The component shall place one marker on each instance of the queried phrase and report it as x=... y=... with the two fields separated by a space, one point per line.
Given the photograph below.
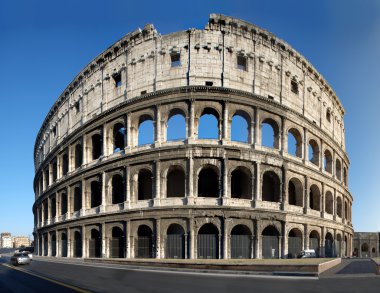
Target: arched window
x=96 y=194
x=146 y=130
x=241 y=183
x=241 y=242
x=315 y=198
x=208 y=242
x=339 y=207
x=145 y=183
x=117 y=243
x=144 y=245
x=208 y=127
x=175 y=242
x=77 y=198
x=97 y=146
x=175 y=182
x=345 y=176
x=313 y=152
x=327 y=162
x=338 y=169
x=95 y=244
x=294 y=243
x=269 y=133
x=271 y=187
x=65 y=164
x=329 y=203
x=78 y=155
x=176 y=129
x=117 y=189
x=239 y=128
x=295 y=192
x=118 y=137
x=270 y=242
x=208 y=182
x=294 y=143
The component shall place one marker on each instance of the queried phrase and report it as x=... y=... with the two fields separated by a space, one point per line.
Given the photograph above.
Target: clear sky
x=44 y=45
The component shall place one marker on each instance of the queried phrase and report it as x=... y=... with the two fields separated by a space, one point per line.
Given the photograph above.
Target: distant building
x=6 y=240
x=366 y=244
x=19 y=241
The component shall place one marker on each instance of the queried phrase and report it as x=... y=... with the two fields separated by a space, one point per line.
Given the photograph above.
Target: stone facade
x=100 y=193
x=366 y=244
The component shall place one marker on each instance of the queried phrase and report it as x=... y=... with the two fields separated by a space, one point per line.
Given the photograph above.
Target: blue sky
x=44 y=45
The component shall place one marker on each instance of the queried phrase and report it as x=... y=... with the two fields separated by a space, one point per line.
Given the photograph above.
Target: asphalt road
x=114 y=278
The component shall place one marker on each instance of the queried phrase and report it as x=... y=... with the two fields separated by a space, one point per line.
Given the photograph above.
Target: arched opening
x=241 y=242
x=97 y=146
x=271 y=187
x=175 y=183
x=295 y=192
x=77 y=249
x=208 y=182
x=338 y=245
x=241 y=183
x=345 y=176
x=176 y=129
x=329 y=203
x=327 y=161
x=294 y=143
x=144 y=242
x=65 y=164
x=338 y=169
x=329 y=245
x=96 y=194
x=53 y=204
x=315 y=198
x=95 y=244
x=146 y=130
x=339 y=207
x=294 y=243
x=117 y=189
x=239 y=128
x=314 y=242
x=175 y=242
x=269 y=134
x=46 y=245
x=53 y=245
x=118 y=137
x=270 y=242
x=208 y=127
x=117 y=243
x=345 y=247
x=145 y=183
x=208 y=242
x=55 y=170
x=313 y=152
x=77 y=198
x=63 y=203
x=78 y=155
x=345 y=211
x=63 y=245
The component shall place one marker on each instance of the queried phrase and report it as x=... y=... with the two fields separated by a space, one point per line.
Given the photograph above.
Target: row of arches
x=209 y=243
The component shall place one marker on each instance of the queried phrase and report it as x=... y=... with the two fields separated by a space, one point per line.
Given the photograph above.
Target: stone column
x=158 y=252
x=305 y=146
x=68 y=235
x=127 y=187
x=321 y=157
x=104 y=240
x=258 y=182
x=190 y=178
x=186 y=245
x=322 y=242
x=251 y=140
x=323 y=201
x=306 y=244
x=128 y=239
x=225 y=179
x=225 y=132
x=157 y=125
x=306 y=196
x=191 y=134
x=192 y=239
x=105 y=141
x=84 y=151
x=57 y=244
x=128 y=132
x=84 y=242
x=226 y=240
x=68 y=196
x=84 y=203
x=157 y=178
x=104 y=203
x=49 y=244
x=258 y=240
x=283 y=145
x=334 y=205
x=257 y=133
x=284 y=187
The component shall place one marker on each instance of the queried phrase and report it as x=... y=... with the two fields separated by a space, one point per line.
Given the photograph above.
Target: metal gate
x=144 y=247
x=117 y=247
x=270 y=247
x=338 y=248
x=175 y=246
x=314 y=244
x=294 y=246
x=53 y=248
x=241 y=246
x=78 y=247
x=329 y=251
x=94 y=247
x=208 y=246
x=64 y=248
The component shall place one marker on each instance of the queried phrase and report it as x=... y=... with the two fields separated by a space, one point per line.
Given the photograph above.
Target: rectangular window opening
x=175 y=59
x=294 y=86
x=209 y=83
x=242 y=63
x=77 y=107
x=270 y=97
x=117 y=79
x=143 y=92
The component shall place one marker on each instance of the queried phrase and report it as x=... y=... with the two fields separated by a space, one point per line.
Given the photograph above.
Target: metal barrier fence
x=294 y=246
x=270 y=246
x=117 y=247
x=208 y=245
x=175 y=246
x=144 y=247
x=241 y=246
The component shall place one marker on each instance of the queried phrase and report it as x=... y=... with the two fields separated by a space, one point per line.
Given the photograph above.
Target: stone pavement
x=358 y=267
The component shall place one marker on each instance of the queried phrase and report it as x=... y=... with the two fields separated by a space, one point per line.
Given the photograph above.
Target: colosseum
x=217 y=143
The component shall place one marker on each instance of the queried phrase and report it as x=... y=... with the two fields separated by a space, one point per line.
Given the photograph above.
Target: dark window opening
x=175 y=59
x=175 y=183
x=65 y=164
x=271 y=187
x=208 y=183
x=144 y=245
x=55 y=171
x=314 y=152
x=63 y=203
x=328 y=115
x=78 y=155
x=118 y=137
x=77 y=199
x=208 y=242
x=47 y=177
x=95 y=244
x=96 y=146
x=327 y=162
x=46 y=210
x=329 y=203
x=55 y=130
x=242 y=63
x=294 y=86
x=145 y=183
x=117 y=189
x=96 y=194
x=339 y=207
x=77 y=244
x=117 y=79
x=315 y=198
x=209 y=83
x=143 y=92
x=53 y=207
x=241 y=186
x=270 y=97
x=117 y=243
x=77 y=107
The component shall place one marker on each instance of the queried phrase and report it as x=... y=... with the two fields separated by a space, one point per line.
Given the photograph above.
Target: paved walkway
x=358 y=267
